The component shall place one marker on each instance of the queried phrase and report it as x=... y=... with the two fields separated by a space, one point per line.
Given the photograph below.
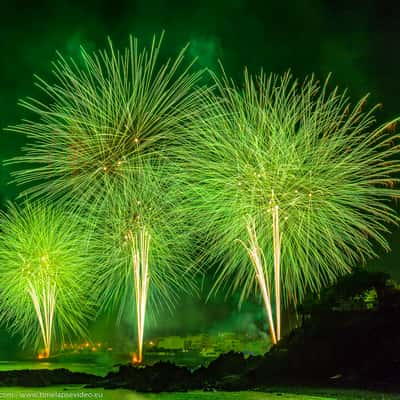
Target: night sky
x=358 y=41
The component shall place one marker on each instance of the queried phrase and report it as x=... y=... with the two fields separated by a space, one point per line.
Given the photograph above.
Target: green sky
x=355 y=40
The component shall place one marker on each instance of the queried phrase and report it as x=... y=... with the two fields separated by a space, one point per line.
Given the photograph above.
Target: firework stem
x=44 y=307
x=255 y=255
x=140 y=261
x=277 y=271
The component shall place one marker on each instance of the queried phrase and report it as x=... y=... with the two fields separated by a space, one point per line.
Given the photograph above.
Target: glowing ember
x=43 y=355
x=135 y=359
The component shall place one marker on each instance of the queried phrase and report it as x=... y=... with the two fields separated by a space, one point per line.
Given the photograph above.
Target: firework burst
x=107 y=112
x=290 y=184
x=103 y=110
x=141 y=243
x=44 y=275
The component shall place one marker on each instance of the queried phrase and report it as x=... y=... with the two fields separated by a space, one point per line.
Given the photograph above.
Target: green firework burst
x=141 y=244
x=291 y=184
x=103 y=110
x=45 y=275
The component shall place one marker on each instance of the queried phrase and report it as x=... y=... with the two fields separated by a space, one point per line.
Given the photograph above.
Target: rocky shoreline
x=229 y=372
x=354 y=347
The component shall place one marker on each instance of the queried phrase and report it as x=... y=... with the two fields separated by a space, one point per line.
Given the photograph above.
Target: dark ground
x=349 y=339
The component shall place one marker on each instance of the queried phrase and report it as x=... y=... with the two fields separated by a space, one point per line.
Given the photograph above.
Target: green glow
x=298 y=176
x=206 y=49
x=45 y=275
